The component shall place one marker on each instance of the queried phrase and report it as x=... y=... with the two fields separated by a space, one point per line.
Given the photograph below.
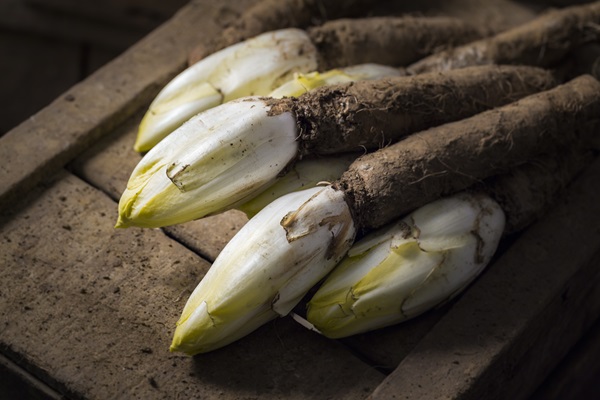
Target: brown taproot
x=541 y=42
x=270 y=15
x=373 y=114
x=383 y=185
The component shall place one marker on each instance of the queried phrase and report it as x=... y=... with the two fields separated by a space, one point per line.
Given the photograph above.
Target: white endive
x=261 y=275
x=253 y=67
x=302 y=83
x=303 y=174
x=407 y=268
x=220 y=157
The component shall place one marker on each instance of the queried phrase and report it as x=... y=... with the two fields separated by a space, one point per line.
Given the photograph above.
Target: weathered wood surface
x=90 y=310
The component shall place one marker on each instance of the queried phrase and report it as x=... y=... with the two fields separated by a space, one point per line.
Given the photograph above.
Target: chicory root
x=381 y=186
x=396 y=41
x=542 y=42
x=270 y=15
x=372 y=114
x=526 y=192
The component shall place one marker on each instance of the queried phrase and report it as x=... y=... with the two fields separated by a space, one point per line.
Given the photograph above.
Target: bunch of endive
x=258 y=65
x=231 y=152
x=228 y=154
x=391 y=275
x=271 y=64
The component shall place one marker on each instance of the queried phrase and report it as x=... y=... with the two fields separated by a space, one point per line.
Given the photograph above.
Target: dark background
x=46 y=46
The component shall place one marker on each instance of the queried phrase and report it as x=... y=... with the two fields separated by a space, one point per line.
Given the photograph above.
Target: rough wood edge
x=23 y=382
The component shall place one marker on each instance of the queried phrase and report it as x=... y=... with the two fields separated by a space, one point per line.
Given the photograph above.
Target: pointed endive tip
x=124 y=209
x=218 y=158
x=146 y=139
x=121 y=223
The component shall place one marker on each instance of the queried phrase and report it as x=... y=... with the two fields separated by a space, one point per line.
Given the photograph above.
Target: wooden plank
x=90 y=311
x=44 y=143
x=509 y=330
x=576 y=377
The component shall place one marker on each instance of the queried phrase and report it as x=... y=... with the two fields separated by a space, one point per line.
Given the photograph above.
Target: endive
x=177 y=103
x=407 y=268
x=253 y=67
x=225 y=156
x=216 y=159
x=302 y=83
x=230 y=153
x=304 y=174
x=261 y=275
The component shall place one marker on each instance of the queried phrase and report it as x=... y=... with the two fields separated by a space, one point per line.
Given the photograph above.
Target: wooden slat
x=90 y=311
x=509 y=330
x=42 y=144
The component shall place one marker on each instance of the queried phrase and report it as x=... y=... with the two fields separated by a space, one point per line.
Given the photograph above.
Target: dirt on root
x=345 y=42
x=373 y=114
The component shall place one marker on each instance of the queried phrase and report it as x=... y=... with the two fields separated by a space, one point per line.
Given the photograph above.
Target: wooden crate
x=87 y=311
